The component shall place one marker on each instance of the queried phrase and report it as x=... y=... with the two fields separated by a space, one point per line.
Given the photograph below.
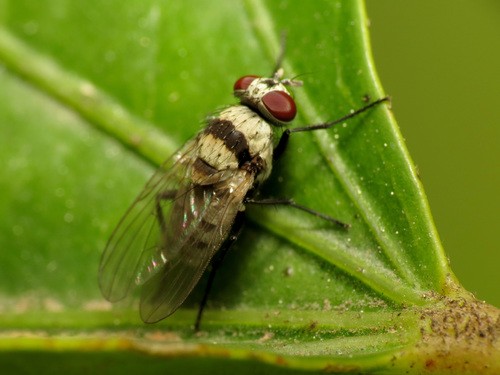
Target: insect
x=193 y=205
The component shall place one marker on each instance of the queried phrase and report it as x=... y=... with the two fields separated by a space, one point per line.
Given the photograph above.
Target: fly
x=193 y=205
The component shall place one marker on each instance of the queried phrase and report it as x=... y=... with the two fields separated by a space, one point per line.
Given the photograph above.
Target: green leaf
x=95 y=95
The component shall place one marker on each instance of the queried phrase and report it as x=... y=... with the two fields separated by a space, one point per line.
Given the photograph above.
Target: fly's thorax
x=258 y=134
x=233 y=138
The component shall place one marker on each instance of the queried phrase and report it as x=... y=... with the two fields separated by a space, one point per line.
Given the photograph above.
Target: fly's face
x=268 y=96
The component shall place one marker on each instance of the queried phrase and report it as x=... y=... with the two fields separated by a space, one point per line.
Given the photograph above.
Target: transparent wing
x=166 y=239
x=132 y=251
x=211 y=210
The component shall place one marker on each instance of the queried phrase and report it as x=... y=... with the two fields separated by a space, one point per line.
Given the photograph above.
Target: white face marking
x=261 y=86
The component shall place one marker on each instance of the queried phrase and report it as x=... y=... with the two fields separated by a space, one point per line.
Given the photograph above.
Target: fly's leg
x=282 y=145
x=217 y=261
x=163 y=196
x=283 y=142
x=291 y=203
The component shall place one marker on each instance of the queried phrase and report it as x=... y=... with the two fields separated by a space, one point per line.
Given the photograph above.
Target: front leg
x=283 y=142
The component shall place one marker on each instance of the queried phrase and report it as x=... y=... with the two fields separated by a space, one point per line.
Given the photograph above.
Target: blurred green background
x=440 y=62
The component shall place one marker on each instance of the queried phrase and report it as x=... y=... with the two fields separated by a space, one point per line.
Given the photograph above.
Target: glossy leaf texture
x=94 y=96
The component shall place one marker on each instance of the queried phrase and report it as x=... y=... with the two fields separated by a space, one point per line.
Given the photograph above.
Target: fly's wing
x=208 y=212
x=132 y=252
x=169 y=234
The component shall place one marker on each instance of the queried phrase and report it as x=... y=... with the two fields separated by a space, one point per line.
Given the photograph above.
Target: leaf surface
x=95 y=95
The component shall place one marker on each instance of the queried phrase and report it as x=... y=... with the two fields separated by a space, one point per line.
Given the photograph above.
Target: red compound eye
x=244 y=82
x=280 y=105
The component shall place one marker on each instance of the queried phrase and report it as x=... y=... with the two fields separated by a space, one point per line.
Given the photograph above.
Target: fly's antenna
x=278 y=69
x=281 y=56
x=292 y=81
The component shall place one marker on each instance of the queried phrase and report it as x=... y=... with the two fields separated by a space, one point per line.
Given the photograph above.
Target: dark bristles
x=281 y=55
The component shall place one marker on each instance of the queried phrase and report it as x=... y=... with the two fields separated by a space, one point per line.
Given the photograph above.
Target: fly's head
x=268 y=96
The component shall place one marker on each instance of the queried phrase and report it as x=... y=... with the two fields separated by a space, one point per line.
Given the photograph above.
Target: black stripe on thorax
x=234 y=140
